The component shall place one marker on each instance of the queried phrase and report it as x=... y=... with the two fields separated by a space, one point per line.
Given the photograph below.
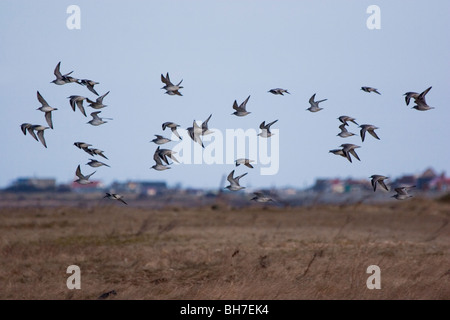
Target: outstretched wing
x=57 y=72
x=78 y=173
x=230 y=177
x=41 y=99
x=41 y=137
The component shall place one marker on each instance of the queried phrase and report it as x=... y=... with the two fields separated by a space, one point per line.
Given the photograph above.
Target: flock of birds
x=75 y=101
x=162 y=156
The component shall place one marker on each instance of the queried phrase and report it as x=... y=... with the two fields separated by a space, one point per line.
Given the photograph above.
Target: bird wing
x=205 y=123
x=422 y=95
x=311 y=100
x=57 y=72
x=78 y=173
x=41 y=137
x=347 y=155
x=80 y=106
x=91 y=88
x=174 y=130
x=100 y=99
x=157 y=157
x=374 y=184
x=244 y=104
x=381 y=182
x=168 y=82
x=24 y=127
x=401 y=190
x=173 y=157
x=353 y=152
x=342 y=127
x=48 y=117
x=41 y=99
x=163 y=80
x=236 y=107
x=230 y=177
x=95 y=115
x=89 y=175
x=271 y=123
x=363 y=133
x=373 y=133
x=238 y=177
x=72 y=102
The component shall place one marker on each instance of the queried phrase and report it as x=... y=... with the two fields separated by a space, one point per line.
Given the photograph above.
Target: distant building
x=356 y=185
x=440 y=183
x=32 y=184
x=407 y=180
x=423 y=181
x=329 y=185
x=145 y=188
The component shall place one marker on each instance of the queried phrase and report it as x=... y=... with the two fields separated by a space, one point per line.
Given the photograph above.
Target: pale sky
x=226 y=51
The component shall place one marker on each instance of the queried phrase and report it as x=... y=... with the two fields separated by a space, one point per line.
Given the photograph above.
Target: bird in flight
x=370 y=89
x=205 y=129
x=173 y=126
x=60 y=78
x=278 y=91
x=40 y=133
x=416 y=96
x=160 y=139
x=89 y=84
x=159 y=165
x=170 y=88
x=344 y=120
x=98 y=103
x=261 y=197
x=82 y=179
x=344 y=132
x=349 y=148
x=114 y=196
x=46 y=109
x=402 y=193
x=246 y=162
x=315 y=104
x=241 y=109
x=265 y=133
x=96 y=120
x=164 y=153
x=195 y=132
x=78 y=101
x=378 y=179
x=234 y=182
x=94 y=163
x=370 y=129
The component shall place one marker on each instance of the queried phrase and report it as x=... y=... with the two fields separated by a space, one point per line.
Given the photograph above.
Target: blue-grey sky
x=226 y=51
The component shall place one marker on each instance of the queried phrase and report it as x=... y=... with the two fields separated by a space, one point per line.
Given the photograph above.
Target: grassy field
x=218 y=252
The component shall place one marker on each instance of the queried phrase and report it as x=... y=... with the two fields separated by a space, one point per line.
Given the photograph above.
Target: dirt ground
x=222 y=253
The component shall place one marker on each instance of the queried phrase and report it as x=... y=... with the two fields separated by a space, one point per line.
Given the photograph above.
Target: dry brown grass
x=319 y=252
